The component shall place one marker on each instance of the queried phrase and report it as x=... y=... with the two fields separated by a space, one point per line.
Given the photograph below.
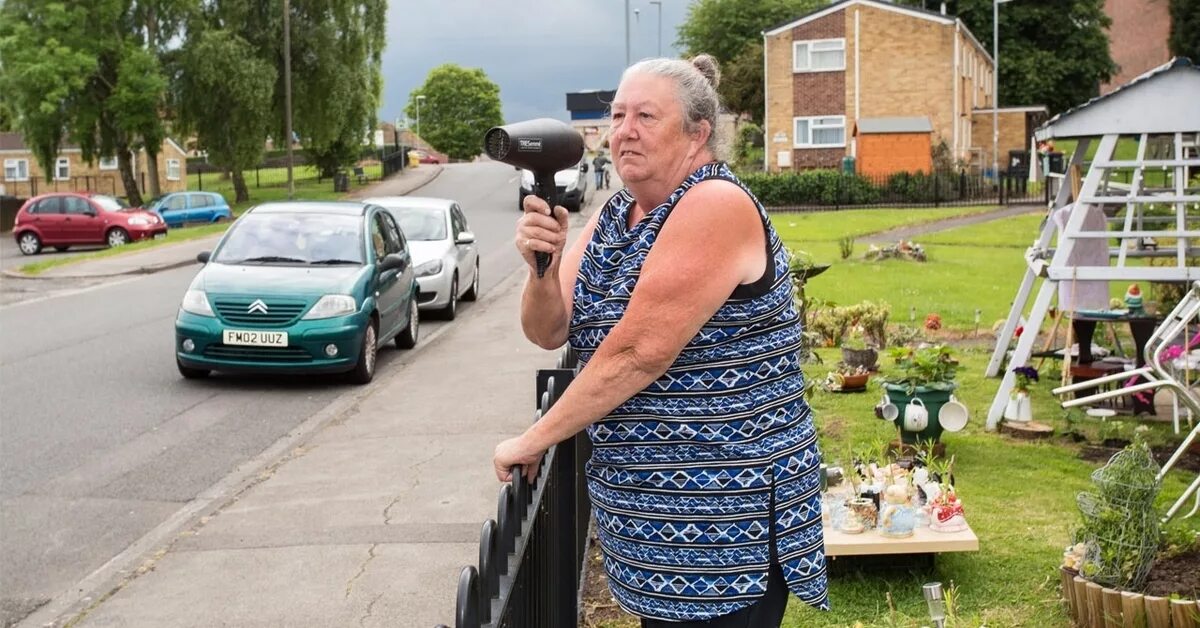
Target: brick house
x=1137 y=38
x=857 y=60
x=23 y=175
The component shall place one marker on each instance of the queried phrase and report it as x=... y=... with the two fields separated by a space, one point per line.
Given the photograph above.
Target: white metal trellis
x=1160 y=109
x=1177 y=325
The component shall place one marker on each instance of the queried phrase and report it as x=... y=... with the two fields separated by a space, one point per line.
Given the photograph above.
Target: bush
x=811 y=187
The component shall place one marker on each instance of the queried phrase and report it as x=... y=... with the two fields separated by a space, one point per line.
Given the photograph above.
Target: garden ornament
x=916 y=417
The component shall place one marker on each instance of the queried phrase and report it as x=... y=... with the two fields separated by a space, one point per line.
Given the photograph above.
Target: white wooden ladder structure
x=1103 y=187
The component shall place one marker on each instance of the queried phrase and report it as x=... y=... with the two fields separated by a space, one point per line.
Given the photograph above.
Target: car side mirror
x=395 y=261
x=203 y=256
x=583 y=168
x=464 y=237
x=91 y=213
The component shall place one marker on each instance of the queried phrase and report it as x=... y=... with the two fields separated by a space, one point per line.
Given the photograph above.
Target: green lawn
x=1019 y=496
x=307 y=188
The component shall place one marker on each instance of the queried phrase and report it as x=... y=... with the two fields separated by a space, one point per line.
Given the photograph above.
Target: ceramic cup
x=886 y=410
x=953 y=415
x=916 y=417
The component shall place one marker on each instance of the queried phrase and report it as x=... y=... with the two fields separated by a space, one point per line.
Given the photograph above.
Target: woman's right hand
x=539 y=230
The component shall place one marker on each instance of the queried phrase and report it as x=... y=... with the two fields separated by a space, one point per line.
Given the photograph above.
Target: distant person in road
x=704 y=476
x=600 y=165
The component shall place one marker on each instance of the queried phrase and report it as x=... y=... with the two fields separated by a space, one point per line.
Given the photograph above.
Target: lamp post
x=658 y=3
x=627 y=61
x=287 y=95
x=996 y=87
x=420 y=99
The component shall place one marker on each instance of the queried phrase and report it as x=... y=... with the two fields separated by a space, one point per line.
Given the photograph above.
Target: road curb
x=142 y=556
x=154 y=268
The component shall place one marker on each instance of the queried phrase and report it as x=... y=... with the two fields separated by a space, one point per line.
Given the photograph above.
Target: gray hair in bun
x=696 y=82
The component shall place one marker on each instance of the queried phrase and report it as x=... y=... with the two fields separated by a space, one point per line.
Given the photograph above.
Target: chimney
x=943 y=8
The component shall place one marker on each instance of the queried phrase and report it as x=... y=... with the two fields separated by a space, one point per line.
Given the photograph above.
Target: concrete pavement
x=169 y=256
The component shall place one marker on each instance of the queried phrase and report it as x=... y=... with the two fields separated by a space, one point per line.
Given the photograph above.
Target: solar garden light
x=937 y=604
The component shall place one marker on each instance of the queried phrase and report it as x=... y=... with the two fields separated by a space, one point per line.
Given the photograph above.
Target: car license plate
x=159 y=236
x=255 y=338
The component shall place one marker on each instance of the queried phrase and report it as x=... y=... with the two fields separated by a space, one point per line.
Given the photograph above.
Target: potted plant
x=926 y=375
x=1019 y=407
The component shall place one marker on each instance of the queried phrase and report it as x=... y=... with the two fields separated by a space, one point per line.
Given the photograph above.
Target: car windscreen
x=421 y=223
x=109 y=203
x=293 y=238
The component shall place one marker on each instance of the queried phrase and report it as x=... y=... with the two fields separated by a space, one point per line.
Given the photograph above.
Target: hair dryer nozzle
x=543 y=145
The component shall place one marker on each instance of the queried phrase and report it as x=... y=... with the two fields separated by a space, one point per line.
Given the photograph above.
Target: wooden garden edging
x=1093 y=606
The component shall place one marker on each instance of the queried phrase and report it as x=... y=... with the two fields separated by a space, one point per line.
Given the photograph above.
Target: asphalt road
x=101 y=440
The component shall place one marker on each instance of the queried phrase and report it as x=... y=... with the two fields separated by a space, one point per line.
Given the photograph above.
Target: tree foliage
x=225 y=95
x=1052 y=52
x=460 y=105
x=102 y=89
x=1185 y=29
x=730 y=30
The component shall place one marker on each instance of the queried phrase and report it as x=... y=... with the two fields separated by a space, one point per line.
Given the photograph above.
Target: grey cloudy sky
x=535 y=50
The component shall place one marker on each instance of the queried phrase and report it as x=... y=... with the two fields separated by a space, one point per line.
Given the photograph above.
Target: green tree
x=731 y=30
x=460 y=105
x=102 y=90
x=1052 y=52
x=337 y=80
x=43 y=71
x=1185 y=29
x=225 y=92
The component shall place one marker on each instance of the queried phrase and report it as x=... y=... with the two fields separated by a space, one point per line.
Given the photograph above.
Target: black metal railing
x=532 y=554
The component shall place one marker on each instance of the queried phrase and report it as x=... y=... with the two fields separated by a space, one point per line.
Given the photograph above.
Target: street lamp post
x=627 y=60
x=420 y=99
x=658 y=3
x=996 y=87
x=287 y=96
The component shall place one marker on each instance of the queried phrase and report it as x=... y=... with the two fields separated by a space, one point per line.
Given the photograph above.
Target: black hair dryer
x=543 y=146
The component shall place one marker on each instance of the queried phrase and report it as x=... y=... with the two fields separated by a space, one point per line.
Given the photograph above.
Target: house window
x=62 y=169
x=820 y=132
x=108 y=163
x=819 y=55
x=172 y=169
x=16 y=169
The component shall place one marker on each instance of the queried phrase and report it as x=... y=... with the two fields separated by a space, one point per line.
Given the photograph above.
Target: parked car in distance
x=180 y=208
x=431 y=157
x=572 y=185
x=300 y=287
x=443 y=250
x=64 y=219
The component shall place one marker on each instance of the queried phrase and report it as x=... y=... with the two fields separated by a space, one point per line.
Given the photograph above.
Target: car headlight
x=196 y=302
x=432 y=267
x=139 y=220
x=332 y=305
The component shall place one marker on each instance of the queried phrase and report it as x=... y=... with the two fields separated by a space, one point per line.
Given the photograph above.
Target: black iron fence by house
x=820 y=190
x=531 y=555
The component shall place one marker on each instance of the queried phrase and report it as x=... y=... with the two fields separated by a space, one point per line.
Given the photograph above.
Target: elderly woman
x=677 y=298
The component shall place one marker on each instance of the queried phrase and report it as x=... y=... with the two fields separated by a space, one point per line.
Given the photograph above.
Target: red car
x=64 y=219
x=431 y=157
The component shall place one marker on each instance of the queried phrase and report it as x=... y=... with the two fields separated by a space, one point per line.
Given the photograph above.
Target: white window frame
x=108 y=163
x=60 y=164
x=172 y=164
x=806 y=142
x=21 y=165
x=808 y=45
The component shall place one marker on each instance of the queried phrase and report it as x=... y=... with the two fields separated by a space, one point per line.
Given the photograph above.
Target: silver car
x=442 y=247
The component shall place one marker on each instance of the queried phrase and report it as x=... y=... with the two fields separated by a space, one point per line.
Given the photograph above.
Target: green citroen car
x=300 y=287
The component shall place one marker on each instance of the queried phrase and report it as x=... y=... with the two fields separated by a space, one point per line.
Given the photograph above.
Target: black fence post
x=200 y=179
x=257 y=180
x=962 y=185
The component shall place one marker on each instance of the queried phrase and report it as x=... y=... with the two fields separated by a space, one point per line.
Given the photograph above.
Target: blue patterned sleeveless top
x=696 y=476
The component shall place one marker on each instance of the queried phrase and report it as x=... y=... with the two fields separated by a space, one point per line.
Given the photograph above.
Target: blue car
x=181 y=208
